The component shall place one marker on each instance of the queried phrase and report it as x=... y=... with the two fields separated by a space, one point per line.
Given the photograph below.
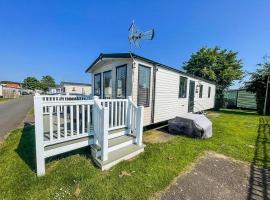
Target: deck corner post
x=129 y=114
x=139 y=126
x=105 y=132
x=95 y=98
x=95 y=120
x=40 y=155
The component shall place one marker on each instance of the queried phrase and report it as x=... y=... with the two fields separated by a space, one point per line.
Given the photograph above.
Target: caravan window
x=209 y=92
x=121 y=81
x=183 y=87
x=201 y=91
x=107 y=85
x=144 y=86
x=97 y=84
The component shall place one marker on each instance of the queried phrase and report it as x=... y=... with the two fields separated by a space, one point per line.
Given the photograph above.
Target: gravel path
x=12 y=114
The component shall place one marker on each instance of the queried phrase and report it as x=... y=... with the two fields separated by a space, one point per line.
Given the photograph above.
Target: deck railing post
x=129 y=114
x=95 y=121
x=40 y=156
x=139 y=125
x=105 y=127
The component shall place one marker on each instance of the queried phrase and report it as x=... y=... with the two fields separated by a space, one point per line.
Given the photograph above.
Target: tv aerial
x=135 y=35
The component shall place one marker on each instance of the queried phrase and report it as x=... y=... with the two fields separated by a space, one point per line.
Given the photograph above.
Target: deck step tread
x=120 y=153
x=117 y=130
x=69 y=142
x=119 y=140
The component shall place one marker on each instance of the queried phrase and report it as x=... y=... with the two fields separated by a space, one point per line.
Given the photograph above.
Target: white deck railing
x=117 y=112
x=63 y=118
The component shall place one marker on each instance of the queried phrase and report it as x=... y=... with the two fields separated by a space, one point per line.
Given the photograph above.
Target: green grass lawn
x=3 y=100
x=73 y=176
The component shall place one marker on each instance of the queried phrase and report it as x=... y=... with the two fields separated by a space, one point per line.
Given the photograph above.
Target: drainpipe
x=132 y=73
x=153 y=94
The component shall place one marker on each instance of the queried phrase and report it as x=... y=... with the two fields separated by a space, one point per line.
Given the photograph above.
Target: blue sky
x=61 y=38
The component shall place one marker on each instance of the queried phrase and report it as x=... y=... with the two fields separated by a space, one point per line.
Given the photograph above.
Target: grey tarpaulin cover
x=194 y=125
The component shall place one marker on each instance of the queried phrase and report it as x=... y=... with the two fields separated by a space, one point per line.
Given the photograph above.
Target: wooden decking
x=46 y=126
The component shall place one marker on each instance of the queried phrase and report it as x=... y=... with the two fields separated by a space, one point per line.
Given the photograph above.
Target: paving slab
x=216 y=177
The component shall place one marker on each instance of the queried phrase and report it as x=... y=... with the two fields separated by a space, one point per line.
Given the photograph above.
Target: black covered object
x=193 y=125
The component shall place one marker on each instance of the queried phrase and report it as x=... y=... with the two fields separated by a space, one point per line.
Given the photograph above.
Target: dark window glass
x=201 y=91
x=144 y=86
x=209 y=92
x=121 y=79
x=107 y=85
x=97 y=85
x=183 y=87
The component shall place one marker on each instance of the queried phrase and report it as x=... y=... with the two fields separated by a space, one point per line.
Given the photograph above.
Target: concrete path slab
x=218 y=177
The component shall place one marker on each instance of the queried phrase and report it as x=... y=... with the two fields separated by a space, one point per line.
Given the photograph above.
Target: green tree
x=257 y=84
x=219 y=65
x=30 y=83
x=46 y=82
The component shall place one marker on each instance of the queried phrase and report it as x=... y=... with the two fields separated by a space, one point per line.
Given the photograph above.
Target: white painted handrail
x=101 y=126
x=135 y=120
x=70 y=120
x=117 y=112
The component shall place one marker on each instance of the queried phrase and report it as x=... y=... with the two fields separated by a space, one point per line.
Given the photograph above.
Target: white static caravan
x=164 y=92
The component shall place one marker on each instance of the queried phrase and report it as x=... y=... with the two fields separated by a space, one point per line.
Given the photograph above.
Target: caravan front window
x=107 y=84
x=97 y=84
x=121 y=81
x=144 y=86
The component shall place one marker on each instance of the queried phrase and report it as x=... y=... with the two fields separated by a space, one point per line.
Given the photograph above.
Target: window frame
x=116 y=84
x=95 y=84
x=148 y=102
x=185 y=96
x=209 y=91
x=103 y=85
x=201 y=91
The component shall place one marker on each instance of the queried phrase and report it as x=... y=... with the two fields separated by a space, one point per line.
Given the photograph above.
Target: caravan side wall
x=167 y=102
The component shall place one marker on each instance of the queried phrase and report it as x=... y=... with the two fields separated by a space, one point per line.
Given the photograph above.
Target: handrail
x=64 y=120
x=101 y=126
x=63 y=103
x=135 y=120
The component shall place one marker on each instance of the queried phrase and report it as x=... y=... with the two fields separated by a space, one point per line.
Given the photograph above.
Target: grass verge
x=3 y=100
x=73 y=175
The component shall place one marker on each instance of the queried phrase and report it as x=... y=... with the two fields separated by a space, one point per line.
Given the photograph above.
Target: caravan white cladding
x=155 y=86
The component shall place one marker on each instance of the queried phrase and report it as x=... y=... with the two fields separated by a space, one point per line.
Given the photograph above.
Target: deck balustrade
x=66 y=122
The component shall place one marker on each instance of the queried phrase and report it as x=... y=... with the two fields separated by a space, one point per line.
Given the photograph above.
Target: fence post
x=129 y=114
x=40 y=156
x=105 y=127
x=139 y=125
x=95 y=119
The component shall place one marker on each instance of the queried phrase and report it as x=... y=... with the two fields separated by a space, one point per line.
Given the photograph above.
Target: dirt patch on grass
x=212 y=115
x=158 y=135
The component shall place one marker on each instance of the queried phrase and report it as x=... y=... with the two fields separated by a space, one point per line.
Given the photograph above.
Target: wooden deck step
x=119 y=155
x=70 y=145
x=117 y=132
x=120 y=140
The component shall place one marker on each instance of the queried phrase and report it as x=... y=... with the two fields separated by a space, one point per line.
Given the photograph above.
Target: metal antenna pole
x=132 y=66
x=266 y=94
